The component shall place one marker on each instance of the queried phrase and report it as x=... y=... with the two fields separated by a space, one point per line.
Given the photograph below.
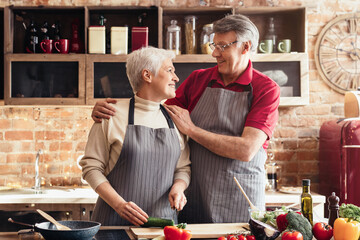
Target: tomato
x=292 y=235
x=233 y=238
x=221 y=238
x=242 y=237
x=250 y=237
x=322 y=231
x=230 y=236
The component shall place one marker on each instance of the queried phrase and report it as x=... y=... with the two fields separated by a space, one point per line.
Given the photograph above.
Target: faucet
x=37 y=175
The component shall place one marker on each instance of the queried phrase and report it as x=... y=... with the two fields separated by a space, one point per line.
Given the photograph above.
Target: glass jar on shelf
x=173 y=37
x=271 y=34
x=206 y=38
x=190 y=34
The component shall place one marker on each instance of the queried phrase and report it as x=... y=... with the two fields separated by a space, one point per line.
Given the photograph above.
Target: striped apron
x=213 y=196
x=144 y=171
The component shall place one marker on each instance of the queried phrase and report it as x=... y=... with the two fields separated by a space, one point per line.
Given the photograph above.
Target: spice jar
x=173 y=37
x=207 y=37
x=190 y=37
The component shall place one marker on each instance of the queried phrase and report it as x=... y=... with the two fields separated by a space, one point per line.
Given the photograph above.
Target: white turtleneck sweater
x=106 y=139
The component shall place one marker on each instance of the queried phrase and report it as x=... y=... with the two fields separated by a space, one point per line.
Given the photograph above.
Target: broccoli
x=299 y=223
x=349 y=211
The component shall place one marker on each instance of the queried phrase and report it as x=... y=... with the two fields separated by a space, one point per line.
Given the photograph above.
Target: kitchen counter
x=64 y=195
x=81 y=201
x=286 y=199
x=74 y=203
x=105 y=233
x=87 y=196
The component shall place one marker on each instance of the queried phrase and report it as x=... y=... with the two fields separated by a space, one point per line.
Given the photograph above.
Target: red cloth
x=263 y=113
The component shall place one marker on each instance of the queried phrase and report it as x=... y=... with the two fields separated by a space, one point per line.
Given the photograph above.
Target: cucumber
x=158 y=222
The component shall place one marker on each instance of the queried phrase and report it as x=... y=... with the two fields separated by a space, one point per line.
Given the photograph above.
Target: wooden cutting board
x=212 y=230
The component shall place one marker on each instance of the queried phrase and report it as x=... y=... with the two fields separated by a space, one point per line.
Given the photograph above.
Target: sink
x=46 y=190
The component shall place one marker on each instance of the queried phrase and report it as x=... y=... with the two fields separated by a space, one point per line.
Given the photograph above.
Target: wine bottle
x=57 y=34
x=76 y=45
x=32 y=44
x=306 y=201
x=44 y=32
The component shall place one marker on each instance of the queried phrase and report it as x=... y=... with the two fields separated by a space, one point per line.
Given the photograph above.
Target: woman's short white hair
x=149 y=58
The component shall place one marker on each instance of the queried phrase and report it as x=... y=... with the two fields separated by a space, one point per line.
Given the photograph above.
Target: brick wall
x=62 y=131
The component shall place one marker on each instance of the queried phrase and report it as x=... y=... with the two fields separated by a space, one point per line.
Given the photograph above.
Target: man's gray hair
x=149 y=58
x=245 y=29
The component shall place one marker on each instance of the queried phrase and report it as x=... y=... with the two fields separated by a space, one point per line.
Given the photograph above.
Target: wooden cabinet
x=1 y=56
x=37 y=78
x=84 y=78
x=289 y=70
x=26 y=213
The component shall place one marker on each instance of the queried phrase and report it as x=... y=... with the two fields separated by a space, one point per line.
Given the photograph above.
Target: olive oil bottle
x=306 y=201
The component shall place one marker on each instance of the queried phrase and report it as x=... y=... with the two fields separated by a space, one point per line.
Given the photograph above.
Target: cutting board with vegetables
x=212 y=230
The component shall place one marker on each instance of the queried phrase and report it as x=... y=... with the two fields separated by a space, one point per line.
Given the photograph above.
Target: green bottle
x=306 y=201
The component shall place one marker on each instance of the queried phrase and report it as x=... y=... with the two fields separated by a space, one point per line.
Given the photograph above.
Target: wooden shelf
x=45 y=59
x=290 y=23
x=1 y=57
x=295 y=65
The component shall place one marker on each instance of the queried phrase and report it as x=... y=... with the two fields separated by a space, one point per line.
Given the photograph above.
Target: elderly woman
x=137 y=161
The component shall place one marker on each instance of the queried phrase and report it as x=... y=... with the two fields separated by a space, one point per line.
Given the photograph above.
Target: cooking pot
x=80 y=230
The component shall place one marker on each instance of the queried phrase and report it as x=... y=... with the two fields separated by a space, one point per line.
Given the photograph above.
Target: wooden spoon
x=58 y=225
x=246 y=197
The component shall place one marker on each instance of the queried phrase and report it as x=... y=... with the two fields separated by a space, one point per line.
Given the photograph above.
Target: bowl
x=269 y=215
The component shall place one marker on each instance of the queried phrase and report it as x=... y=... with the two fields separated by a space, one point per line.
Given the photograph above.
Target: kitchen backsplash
x=61 y=132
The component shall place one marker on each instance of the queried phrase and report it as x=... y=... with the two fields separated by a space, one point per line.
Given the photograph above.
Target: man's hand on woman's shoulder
x=103 y=110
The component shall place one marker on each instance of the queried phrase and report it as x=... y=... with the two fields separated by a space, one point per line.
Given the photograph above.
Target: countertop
x=105 y=233
x=64 y=195
x=280 y=197
x=87 y=195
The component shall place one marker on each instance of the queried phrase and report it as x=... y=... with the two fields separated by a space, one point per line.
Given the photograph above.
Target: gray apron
x=213 y=196
x=144 y=171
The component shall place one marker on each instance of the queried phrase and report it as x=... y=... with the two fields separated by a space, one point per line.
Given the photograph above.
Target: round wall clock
x=337 y=53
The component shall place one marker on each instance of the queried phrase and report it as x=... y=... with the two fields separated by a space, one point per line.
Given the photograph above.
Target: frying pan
x=80 y=230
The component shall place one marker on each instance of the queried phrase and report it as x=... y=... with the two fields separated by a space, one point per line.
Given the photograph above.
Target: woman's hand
x=126 y=210
x=132 y=213
x=103 y=109
x=177 y=197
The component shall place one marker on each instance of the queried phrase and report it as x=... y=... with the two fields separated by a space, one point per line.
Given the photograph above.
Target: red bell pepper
x=281 y=221
x=177 y=232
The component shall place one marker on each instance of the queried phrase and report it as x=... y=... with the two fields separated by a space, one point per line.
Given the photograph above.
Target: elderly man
x=229 y=112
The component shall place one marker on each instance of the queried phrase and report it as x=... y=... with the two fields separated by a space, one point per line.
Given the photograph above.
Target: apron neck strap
x=249 y=88
x=131 y=113
x=168 y=118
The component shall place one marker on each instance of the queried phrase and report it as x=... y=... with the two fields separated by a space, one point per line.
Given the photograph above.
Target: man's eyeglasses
x=221 y=48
